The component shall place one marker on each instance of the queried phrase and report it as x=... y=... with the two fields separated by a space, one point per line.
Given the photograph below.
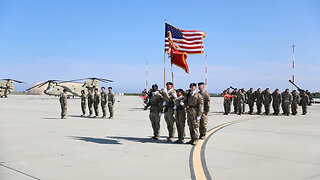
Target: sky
x=248 y=43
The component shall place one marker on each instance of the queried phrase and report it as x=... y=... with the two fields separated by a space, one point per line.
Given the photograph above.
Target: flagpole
x=206 y=72
x=147 y=74
x=293 y=65
x=164 y=59
x=172 y=75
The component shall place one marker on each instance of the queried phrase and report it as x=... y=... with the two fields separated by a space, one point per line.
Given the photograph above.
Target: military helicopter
x=55 y=87
x=7 y=86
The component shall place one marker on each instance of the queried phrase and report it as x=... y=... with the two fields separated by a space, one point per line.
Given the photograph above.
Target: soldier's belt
x=192 y=106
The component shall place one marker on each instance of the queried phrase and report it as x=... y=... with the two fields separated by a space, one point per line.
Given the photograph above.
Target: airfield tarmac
x=36 y=144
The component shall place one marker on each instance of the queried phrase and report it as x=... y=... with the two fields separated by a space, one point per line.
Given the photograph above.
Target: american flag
x=189 y=41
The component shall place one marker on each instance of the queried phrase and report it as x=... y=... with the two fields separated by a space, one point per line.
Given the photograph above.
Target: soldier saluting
x=155 y=103
x=63 y=104
x=169 y=96
x=194 y=103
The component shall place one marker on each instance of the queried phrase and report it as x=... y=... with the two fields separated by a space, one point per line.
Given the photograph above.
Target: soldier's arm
x=200 y=105
x=208 y=103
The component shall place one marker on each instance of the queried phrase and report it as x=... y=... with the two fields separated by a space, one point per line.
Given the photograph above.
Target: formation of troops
x=179 y=106
x=93 y=100
x=287 y=100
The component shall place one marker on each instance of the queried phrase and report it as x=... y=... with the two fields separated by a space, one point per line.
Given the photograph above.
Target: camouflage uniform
x=226 y=103
x=276 y=102
x=104 y=99
x=259 y=101
x=204 y=116
x=180 y=117
x=235 y=101
x=304 y=103
x=267 y=98
x=155 y=103
x=295 y=102
x=241 y=102
x=96 y=103
x=251 y=99
x=83 y=103
x=169 y=103
x=245 y=101
x=287 y=100
x=111 y=101
x=90 y=103
x=63 y=104
x=194 y=103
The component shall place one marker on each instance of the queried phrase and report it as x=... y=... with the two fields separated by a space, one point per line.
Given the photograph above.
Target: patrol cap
x=64 y=90
x=200 y=83
x=193 y=84
x=96 y=89
x=180 y=90
x=103 y=88
x=155 y=86
x=110 y=87
x=294 y=91
x=82 y=91
x=169 y=83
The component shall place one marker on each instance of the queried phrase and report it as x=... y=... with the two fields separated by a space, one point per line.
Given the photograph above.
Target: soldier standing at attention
x=230 y=99
x=226 y=102
x=235 y=100
x=277 y=98
x=155 y=103
x=206 y=110
x=180 y=115
x=96 y=101
x=287 y=100
x=194 y=103
x=267 y=99
x=63 y=104
x=241 y=101
x=259 y=100
x=304 y=102
x=251 y=99
x=83 y=102
x=90 y=102
x=295 y=102
x=169 y=96
x=245 y=100
x=111 y=101
x=282 y=103
x=104 y=100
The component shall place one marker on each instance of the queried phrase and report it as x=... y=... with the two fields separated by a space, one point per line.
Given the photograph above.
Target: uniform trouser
x=259 y=105
x=276 y=108
x=250 y=107
x=240 y=108
x=83 y=108
x=203 y=124
x=294 y=107
x=235 y=107
x=286 y=107
x=155 y=123
x=226 y=106
x=283 y=108
x=244 y=107
x=304 y=108
x=90 y=106
x=267 y=108
x=103 y=108
x=110 y=106
x=96 y=109
x=63 y=111
x=181 y=123
x=193 y=124
x=170 y=120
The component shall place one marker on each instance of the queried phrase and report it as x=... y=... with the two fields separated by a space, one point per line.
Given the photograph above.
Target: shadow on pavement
x=96 y=140
x=142 y=140
x=50 y=118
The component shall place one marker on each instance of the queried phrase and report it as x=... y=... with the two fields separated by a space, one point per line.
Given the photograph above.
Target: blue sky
x=248 y=42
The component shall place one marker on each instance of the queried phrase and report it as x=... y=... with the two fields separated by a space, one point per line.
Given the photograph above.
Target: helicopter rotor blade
x=36 y=86
x=101 y=79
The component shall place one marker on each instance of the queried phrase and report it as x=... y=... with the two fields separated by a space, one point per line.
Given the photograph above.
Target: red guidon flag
x=177 y=58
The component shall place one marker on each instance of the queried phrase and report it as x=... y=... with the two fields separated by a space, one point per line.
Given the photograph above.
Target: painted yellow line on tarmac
x=198 y=170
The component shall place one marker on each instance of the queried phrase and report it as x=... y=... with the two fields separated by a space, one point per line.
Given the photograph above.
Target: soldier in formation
x=227 y=99
x=295 y=102
x=206 y=110
x=96 y=102
x=241 y=101
x=63 y=104
x=169 y=97
x=180 y=115
x=305 y=100
x=104 y=100
x=251 y=99
x=83 y=98
x=286 y=102
x=277 y=99
x=267 y=99
x=235 y=100
x=111 y=101
x=90 y=102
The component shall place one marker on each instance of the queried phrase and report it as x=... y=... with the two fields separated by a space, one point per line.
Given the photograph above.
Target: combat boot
x=203 y=137
x=195 y=142
x=189 y=142
x=170 y=139
x=180 y=141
